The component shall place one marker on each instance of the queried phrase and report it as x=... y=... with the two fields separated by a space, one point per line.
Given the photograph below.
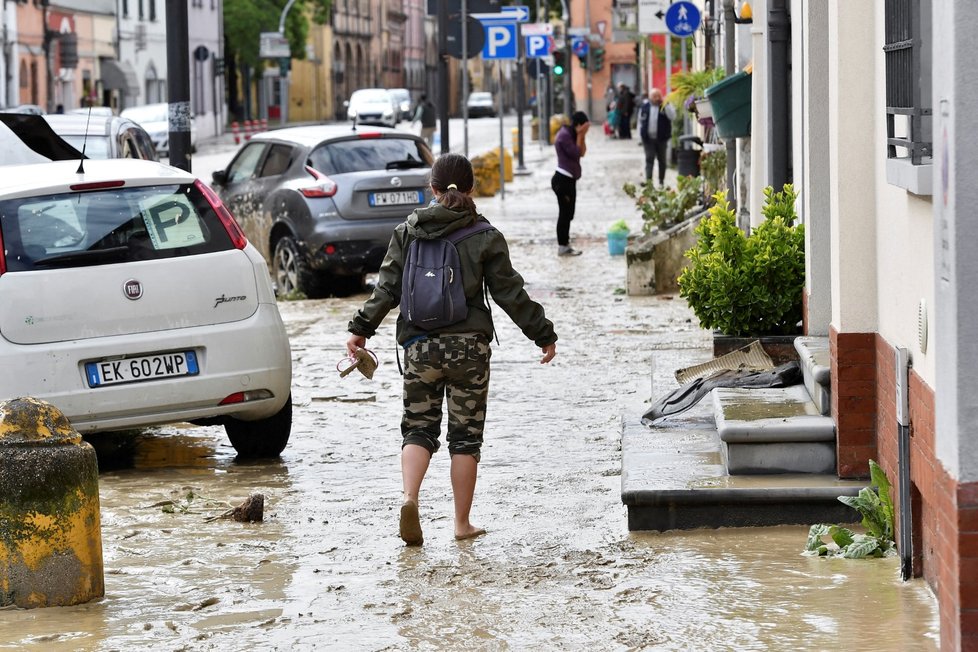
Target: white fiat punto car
x=129 y=297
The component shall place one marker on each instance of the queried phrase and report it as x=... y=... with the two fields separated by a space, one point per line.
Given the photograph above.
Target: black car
x=321 y=202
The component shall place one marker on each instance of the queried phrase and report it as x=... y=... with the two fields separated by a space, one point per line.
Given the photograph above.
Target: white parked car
x=131 y=298
x=155 y=119
x=373 y=106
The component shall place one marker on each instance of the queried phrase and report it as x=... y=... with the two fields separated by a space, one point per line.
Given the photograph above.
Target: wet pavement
x=558 y=569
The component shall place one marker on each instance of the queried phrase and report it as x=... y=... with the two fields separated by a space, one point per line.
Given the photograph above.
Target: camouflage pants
x=456 y=366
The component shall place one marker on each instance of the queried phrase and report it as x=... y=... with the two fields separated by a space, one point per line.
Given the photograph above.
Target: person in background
x=655 y=130
x=425 y=114
x=626 y=107
x=570 y=145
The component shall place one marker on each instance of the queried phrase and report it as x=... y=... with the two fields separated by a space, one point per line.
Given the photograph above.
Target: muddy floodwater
x=558 y=569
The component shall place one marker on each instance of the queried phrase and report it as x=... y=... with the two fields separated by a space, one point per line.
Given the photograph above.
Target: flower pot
x=617 y=241
x=704 y=108
x=730 y=99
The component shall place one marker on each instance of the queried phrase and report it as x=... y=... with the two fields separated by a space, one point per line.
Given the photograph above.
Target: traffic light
x=558 y=67
x=597 y=58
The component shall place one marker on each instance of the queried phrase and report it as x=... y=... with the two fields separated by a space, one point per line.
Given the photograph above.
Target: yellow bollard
x=556 y=122
x=50 y=531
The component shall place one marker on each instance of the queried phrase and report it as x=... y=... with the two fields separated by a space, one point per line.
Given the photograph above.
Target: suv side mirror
x=220 y=177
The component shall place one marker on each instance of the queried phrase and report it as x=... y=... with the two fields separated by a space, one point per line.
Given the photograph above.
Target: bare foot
x=470 y=533
x=410 y=525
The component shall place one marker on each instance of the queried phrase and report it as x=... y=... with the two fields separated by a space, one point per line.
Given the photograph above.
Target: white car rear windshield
x=361 y=155
x=109 y=226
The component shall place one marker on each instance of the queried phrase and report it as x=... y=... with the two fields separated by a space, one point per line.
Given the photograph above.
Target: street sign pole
x=465 y=78
x=520 y=100
x=443 y=72
x=588 y=60
x=502 y=150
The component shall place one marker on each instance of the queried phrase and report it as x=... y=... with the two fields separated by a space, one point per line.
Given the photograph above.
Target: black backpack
x=432 y=295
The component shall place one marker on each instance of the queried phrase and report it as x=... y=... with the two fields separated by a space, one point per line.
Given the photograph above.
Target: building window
x=141 y=14
x=152 y=10
x=907 y=55
x=125 y=8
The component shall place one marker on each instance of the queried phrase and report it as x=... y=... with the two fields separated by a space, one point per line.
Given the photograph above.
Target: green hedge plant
x=747 y=285
x=662 y=206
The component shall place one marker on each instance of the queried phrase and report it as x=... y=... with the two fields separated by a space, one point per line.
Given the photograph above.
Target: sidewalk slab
x=673 y=478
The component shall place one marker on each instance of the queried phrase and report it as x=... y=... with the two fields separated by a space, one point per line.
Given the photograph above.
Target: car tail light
x=97 y=185
x=325 y=187
x=237 y=235
x=329 y=249
x=369 y=134
x=244 y=397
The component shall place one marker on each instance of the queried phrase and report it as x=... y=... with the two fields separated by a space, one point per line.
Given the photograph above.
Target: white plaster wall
x=853 y=162
x=955 y=245
x=904 y=227
x=759 y=113
x=810 y=150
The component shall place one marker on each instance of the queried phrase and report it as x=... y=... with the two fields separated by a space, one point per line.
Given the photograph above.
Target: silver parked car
x=321 y=202
x=103 y=137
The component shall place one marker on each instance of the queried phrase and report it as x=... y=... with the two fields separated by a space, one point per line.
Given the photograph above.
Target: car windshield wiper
x=87 y=257
x=406 y=164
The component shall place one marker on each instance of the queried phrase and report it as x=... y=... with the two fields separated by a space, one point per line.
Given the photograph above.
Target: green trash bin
x=730 y=99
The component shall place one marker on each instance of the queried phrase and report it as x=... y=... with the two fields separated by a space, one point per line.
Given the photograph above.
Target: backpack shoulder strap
x=458 y=235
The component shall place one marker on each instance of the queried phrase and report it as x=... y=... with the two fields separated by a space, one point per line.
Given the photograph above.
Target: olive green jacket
x=484 y=255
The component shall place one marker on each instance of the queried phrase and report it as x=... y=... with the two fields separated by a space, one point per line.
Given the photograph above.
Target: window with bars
x=907 y=54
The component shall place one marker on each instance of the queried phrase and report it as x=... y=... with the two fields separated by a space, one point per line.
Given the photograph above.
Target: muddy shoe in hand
x=410 y=525
x=364 y=360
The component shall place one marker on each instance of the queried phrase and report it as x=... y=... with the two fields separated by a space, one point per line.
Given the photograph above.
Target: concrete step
x=673 y=478
x=773 y=430
x=813 y=354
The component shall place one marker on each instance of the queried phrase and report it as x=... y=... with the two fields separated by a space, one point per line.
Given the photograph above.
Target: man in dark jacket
x=626 y=107
x=425 y=114
x=655 y=129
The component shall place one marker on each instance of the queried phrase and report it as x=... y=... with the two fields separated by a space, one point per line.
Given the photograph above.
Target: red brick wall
x=945 y=513
x=853 y=373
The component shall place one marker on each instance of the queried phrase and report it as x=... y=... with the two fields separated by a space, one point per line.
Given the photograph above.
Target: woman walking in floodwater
x=450 y=361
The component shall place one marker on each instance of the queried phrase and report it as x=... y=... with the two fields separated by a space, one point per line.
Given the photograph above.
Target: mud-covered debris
x=252 y=510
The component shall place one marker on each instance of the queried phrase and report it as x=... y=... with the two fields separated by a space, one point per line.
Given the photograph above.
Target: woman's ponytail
x=452 y=176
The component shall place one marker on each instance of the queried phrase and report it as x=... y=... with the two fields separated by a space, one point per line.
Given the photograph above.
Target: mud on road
x=558 y=569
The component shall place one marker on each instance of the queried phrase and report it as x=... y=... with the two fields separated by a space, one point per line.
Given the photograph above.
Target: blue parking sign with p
x=500 y=41
x=537 y=46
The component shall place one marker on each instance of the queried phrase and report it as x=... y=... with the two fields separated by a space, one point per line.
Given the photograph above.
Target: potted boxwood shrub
x=748 y=286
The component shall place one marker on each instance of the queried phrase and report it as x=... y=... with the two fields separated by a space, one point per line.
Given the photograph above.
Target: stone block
x=655 y=260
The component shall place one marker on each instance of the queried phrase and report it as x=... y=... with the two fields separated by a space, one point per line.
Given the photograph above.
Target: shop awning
x=119 y=75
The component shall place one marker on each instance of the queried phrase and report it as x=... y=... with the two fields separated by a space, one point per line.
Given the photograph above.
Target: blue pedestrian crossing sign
x=500 y=41
x=682 y=18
